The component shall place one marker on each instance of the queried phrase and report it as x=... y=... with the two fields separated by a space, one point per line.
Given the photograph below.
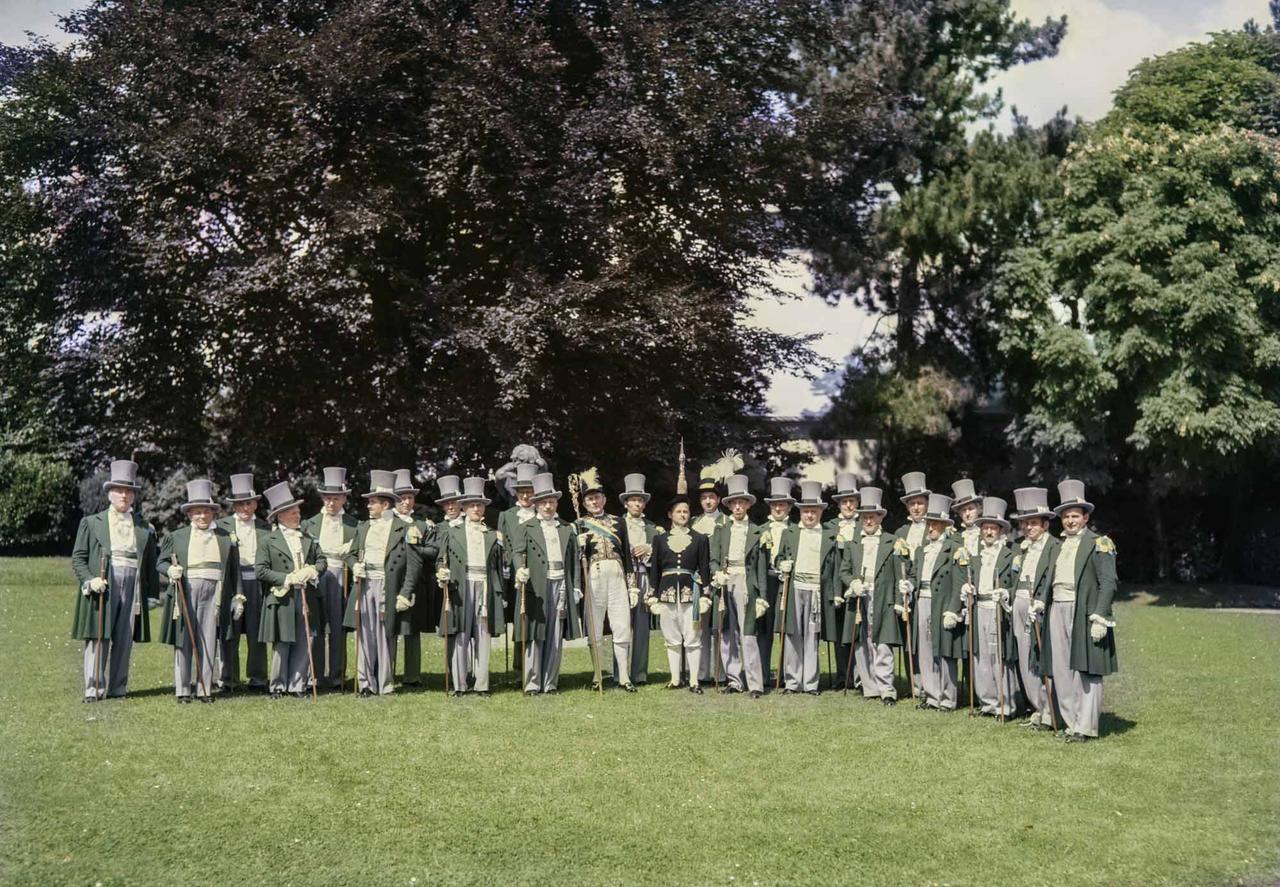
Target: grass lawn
x=659 y=787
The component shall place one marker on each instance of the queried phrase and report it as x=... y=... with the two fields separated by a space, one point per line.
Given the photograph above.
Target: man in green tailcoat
x=1033 y=560
x=937 y=632
x=739 y=573
x=637 y=532
x=781 y=503
x=420 y=618
x=848 y=529
x=199 y=570
x=995 y=655
x=114 y=561
x=289 y=564
x=1079 y=635
x=246 y=530
x=335 y=530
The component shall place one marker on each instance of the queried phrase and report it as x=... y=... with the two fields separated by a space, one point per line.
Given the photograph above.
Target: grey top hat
x=811 y=493
x=544 y=486
x=124 y=474
x=524 y=474
x=1031 y=502
x=914 y=485
x=780 y=490
x=846 y=486
x=382 y=484
x=962 y=493
x=279 y=498
x=242 y=488
x=737 y=489
x=1071 y=495
x=199 y=492
x=869 y=500
x=633 y=485
x=335 y=481
x=404 y=482
x=473 y=491
x=939 y=508
x=450 y=488
x=993 y=508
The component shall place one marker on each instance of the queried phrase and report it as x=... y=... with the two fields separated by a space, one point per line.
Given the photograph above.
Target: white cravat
x=1064 y=569
x=120 y=527
x=376 y=539
x=931 y=550
x=989 y=555
x=475 y=530
x=870 y=548
x=293 y=538
x=555 y=557
x=809 y=553
x=915 y=534
x=1031 y=563
x=247 y=539
x=737 y=544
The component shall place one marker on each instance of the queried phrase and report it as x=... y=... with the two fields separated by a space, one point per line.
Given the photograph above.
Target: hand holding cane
x=306 y=627
x=191 y=635
x=102 y=605
x=1045 y=681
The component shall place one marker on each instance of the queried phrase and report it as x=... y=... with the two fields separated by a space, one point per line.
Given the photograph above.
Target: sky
x=1105 y=39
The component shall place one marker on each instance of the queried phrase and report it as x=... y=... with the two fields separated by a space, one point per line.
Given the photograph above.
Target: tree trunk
x=1155 y=504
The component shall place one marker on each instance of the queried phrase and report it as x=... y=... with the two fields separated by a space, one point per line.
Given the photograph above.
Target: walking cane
x=444 y=620
x=782 y=629
x=523 y=648
x=574 y=489
x=191 y=635
x=355 y=678
x=102 y=605
x=906 y=617
x=345 y=595
x=969 y=628
x=717 y=634
x=306 y=626
x=1045 y=682
x=999 y=663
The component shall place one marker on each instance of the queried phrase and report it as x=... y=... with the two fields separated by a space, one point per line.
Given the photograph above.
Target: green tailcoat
x=92 y=550
x=1005 y=577
x=452 y=545
x=228 y=523
x=173 y=550
x=311 y=526
x=1040 y=581
x=756 y=560
x=834 y=577
x=890 y=568
x=944 y=591
x=533 y=553
x=400 y=553
x=273 y=563
x=421 y=583
x=1095 y=570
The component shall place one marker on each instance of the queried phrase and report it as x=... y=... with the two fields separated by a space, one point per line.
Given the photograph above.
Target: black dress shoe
x=729 y=691
x=530 y=692
x=812 y=692
x=1078 y=737
x=755 y=694
x=630 y=688
x=696 y=689
x=298 y=694
x=183 y=700
x=277 y=694
x=366 y=693
x=554 y=692
x=206 y=699
x=457 y=694
x=88 y=699
x=888 y=700
x=674 y=686
x=787 y=691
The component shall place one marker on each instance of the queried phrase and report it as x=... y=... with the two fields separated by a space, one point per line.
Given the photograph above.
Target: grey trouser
x=1079 y=694
x=739 y=651
x=118 y=646
x=290 y=669
x=873 y=662
x=1032 y=684
x=376 y=666
x=329 y=649
x=202 y=608
x=229 y=649
x=609 y=596
x=471 y=638
x=800 y=642
x=992 y=680
x=542 y=657
x=937 y=681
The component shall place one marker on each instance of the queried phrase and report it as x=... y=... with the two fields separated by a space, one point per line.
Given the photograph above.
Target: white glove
x=308 y=574
x=403 y=603
x=1000 y=595
x=137 y=606
x=1097 y=632
x=652 y=603
x=522 y=575
x=237 y=606
x=785 y=566
x=292 y=578
x=762 y=607
x=704 y=604
x=280 y=591
x=583 y=538
x=837 y=601
x=97 y=585
x=950 y=621
x=442 y=575
x=904 y=586
x=174 y=572
x=857 y=588
x=721 y=578
x=1037 y=610
x=642 y=551
x=634 y=595
x=901 y=611
x=966 y=590
x=358 y=570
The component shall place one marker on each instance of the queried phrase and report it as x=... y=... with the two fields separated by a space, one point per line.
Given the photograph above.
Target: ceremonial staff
x=1045 y=681
x=853 y=635
x=306 y=626
x=191 y=635
x=584 y=566
x=102 y=605
x=715 y=654
x=355 y=680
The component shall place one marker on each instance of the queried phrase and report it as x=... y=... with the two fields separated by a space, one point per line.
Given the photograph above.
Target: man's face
x=524 y=496
x=871 y=521
x=848 y=507
x=451 y=509
x=739 y=508
x=917 y=506
x=377 y=506
x=120 y=498
x=1033 y=527
x=475 y=511
x=935 y=528
x=406 y=503
x=333 y=503
x=547 y=507
x=810 y=515
x=679 y=514
x=634 y=505
x=291 y=517
x=991 y=531
x=594 y=501
x=969 y=513
x=709 y=501
x=200 y=516
x=1073 y=519
x=779 y=510
x=245 y=510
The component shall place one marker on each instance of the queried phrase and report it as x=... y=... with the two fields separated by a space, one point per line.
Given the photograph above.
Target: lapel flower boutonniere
x=901 y=548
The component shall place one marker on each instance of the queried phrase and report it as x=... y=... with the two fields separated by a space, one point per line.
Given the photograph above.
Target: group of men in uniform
x=960 y=588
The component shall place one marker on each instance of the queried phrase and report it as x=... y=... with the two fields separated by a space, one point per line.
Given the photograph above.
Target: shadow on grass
x=1111 y=724
x=1209 y=597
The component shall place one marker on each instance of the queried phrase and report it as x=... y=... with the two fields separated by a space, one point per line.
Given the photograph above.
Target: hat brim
x=751 y=500
x=807 y=503
x=549 y=494
x=769 y=500
x=416 y=492
x=187 y=506
x=390 y=495
x=915 y=495
x=961 y=503
x=625 y=496
x=836 y=497
x=1047 y=515
x=250 y=498
x=467 y=500
x=991 y=520
x=447 y=499
x=1087 y=506
x=877 y=510
x=120 y=485
x=285 y=507
x=943 y=518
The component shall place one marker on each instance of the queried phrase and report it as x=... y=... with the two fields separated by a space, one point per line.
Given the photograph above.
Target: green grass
x=659 y=787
